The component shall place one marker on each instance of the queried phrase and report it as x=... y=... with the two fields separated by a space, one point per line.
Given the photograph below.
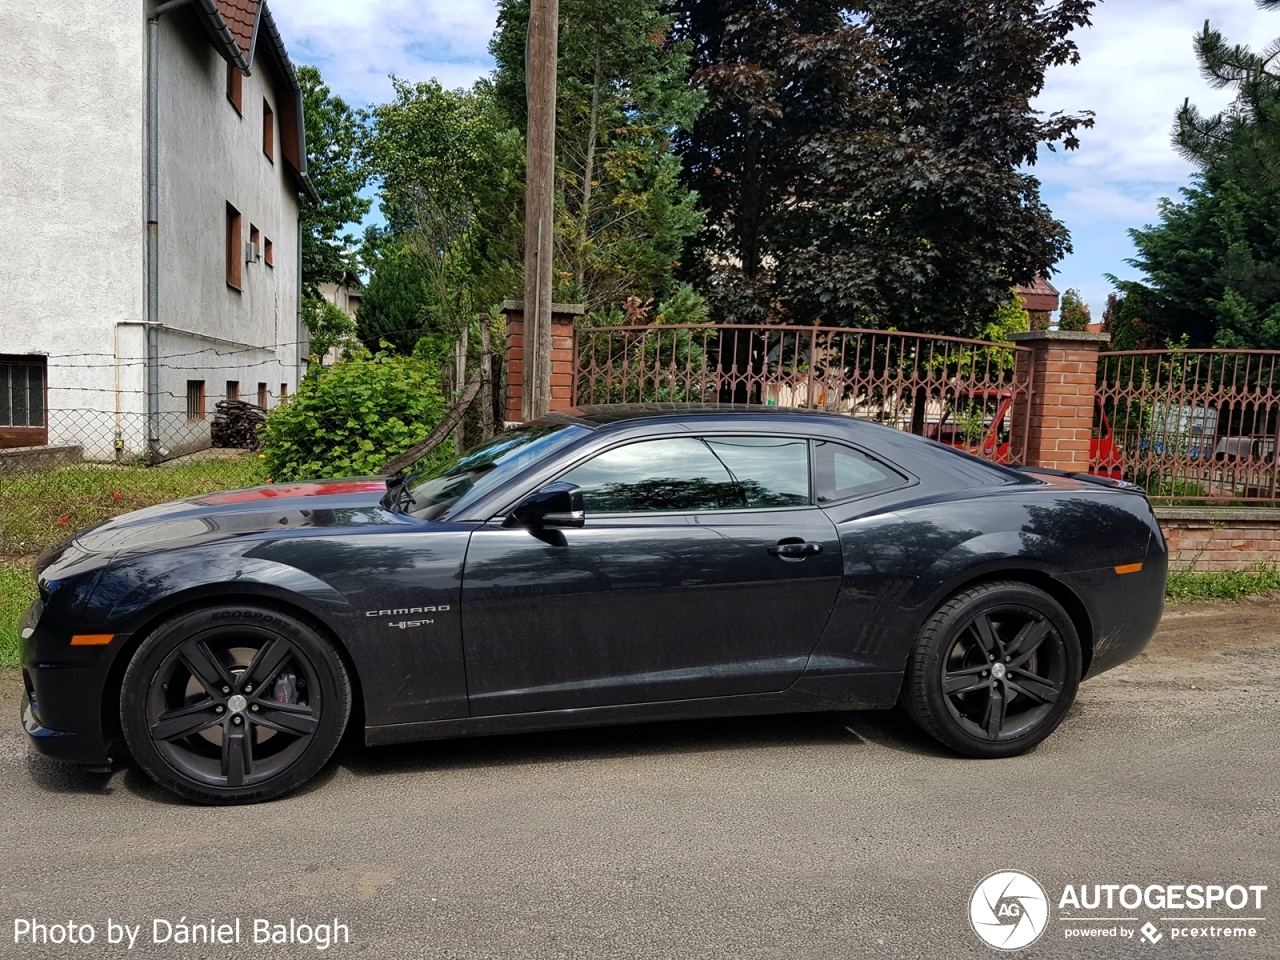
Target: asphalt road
x=823 y=836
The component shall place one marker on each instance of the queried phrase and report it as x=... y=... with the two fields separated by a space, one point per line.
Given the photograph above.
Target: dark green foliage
x=622 y=214
x=396 y=302
x=1125 y=320
x=1211 y=264
x=336 y=166
x=863 y=163
x=352 y=418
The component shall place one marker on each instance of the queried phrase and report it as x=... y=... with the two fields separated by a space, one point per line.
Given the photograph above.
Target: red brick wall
x=561 y=361
x=1208 y=538
x=1063 y=371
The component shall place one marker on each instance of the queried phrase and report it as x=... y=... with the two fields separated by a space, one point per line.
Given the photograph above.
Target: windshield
x=465 y=479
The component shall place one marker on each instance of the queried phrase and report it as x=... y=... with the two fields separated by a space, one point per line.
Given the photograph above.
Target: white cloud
x=357 y=43
x=1138 y=65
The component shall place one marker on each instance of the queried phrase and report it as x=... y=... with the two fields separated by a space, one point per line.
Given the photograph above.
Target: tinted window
x=688 y=474
x=465 y=479
x=843 y=472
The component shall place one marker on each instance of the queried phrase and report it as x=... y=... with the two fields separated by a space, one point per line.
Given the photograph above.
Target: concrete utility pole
x=541 y=60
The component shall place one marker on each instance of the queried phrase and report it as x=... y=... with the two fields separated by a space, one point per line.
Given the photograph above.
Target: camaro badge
x=405 y=612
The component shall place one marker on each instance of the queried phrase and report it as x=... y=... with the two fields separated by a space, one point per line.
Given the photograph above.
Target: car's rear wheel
x=995 y=670
x=234 y=704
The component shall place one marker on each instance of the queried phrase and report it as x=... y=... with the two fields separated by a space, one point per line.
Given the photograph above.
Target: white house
x=151 y=164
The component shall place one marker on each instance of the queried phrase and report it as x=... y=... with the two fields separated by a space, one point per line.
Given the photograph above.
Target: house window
x=268 y=132
x=284 y=393
x=262 y=395
x=22 y=402
x=255 y=241
x=268 y=252
x=233 y=389
x=235 y=255
x=235 y=88
x=195 y=399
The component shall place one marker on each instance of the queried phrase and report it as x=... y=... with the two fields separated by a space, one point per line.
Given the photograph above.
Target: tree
x=396 y=302
x=875 y=154
x=1211 y=265
x=336 y=165
x=451 y=186
x=1074 y=314
x=741 y=155
x=622 y=213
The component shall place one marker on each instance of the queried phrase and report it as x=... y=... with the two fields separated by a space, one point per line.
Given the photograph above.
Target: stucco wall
x=72 y=251
x=210 y=156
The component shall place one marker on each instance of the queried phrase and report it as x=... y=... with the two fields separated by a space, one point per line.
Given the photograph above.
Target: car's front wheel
x=995 y=670
x=234 y=703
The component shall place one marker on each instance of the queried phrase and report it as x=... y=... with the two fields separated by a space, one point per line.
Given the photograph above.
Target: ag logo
x=1009 y=910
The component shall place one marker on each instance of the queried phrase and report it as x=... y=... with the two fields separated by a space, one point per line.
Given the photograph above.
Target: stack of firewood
x=238 y=425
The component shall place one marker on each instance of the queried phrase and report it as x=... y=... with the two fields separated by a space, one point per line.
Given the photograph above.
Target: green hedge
x=350 y=419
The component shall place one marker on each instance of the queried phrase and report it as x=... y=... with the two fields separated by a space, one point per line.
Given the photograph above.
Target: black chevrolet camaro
x=606 y=565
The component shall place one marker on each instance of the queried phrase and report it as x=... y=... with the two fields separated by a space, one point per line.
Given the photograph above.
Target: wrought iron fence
x=1193 y=425
x=965 y=393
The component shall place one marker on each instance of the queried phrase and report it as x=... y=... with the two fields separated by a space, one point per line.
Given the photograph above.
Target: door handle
x=795 y=551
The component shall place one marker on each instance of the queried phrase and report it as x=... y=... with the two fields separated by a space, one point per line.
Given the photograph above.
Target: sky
x=1137 y=66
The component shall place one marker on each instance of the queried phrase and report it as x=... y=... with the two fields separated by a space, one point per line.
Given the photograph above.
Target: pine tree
x=1212 y=262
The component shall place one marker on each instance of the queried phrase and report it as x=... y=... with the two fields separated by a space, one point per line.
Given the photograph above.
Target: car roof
x=609 y=414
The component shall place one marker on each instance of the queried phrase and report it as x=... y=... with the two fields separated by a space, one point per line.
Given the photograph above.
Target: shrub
x=350 y=419
x=1075 y=312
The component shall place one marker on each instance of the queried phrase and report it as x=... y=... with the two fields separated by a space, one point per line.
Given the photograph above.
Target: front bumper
x=62 y=707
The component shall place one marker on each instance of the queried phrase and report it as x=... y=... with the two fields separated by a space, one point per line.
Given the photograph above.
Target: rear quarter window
x=842 y=473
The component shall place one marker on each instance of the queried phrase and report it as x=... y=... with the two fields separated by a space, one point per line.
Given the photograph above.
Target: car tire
x=234 y=703
x=995 y=670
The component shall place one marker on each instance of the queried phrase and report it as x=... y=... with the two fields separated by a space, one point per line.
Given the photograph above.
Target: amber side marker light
x=1129 y=568
x=92 y=639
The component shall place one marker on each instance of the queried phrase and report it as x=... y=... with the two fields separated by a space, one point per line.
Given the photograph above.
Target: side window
x=688 y=474
x=843 y=472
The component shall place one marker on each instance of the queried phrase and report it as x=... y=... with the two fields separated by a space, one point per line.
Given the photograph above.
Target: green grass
x=40 y=509
x=1190 y=587
x=17 y=590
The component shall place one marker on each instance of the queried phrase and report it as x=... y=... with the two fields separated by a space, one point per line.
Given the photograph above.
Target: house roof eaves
x=276 y=42
x=221 y=34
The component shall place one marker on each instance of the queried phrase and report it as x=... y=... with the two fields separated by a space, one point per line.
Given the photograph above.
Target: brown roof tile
x=240 y=16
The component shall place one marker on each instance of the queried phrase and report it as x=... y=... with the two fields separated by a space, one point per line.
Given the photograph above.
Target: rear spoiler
x=1093 y=478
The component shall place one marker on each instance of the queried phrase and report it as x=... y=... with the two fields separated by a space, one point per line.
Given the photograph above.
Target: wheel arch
x=1032 y=576
x=198 y=599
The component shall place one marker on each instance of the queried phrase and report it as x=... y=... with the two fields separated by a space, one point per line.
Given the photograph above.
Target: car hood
x=232 y=514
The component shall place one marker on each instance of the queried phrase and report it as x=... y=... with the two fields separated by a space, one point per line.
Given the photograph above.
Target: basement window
x=268 y=252
x=233 y=389
x=262 y=395
x=195 y=400
x=23 y=409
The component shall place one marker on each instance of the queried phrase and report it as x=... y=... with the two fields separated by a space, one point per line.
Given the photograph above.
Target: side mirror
x=558 y=505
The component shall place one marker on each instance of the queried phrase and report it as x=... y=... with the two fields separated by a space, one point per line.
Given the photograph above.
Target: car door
x=704 y=569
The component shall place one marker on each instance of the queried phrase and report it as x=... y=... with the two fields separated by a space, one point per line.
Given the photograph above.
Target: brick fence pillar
x=563 y=316
x=1062 y=369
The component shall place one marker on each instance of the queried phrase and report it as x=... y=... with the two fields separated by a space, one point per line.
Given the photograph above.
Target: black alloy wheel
x=995 y=670
x=234 y=704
